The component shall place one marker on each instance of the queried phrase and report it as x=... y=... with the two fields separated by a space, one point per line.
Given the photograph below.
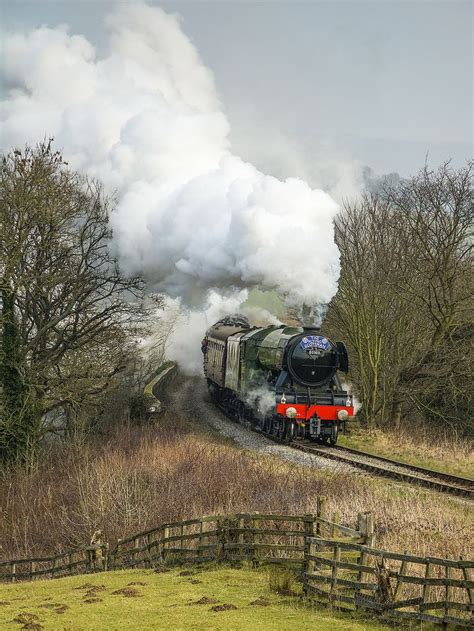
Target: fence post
x=241 y=526
x=235 y=537
x=427 y=587
x=335 y=568
x=105 y=566
x=241 y=551
x=136 y=544
x=366 y=527
x=449 y=574
x=149 y=545
x=13 y=572
x=467 y=577
x=166 y=534
x=255 y=526
x=118 y=554
x=223 y=527
x=88 y=552
x=334 y=526
x=361 y=575
x=360 y=524
x=308 y=564
x=181 y=534
x=200 y=540
x=320 y=513
x=402 y=572
x=159 y=545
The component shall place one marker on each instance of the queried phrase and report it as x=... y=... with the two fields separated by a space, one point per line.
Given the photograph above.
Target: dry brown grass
x=439 y=449
x=137 y=478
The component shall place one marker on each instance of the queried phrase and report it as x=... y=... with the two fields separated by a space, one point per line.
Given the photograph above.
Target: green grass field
x=177 y=599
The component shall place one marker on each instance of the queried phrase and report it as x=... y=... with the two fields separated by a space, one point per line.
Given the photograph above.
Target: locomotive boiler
x=282 y=380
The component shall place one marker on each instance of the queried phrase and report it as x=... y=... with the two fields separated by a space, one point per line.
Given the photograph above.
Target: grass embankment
x=148 y=390
x=220 y=598
x=419 y=447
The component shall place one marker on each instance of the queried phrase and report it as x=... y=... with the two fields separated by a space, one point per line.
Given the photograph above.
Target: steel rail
x=378 y=465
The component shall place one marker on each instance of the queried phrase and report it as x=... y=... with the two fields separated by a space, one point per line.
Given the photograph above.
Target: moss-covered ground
x=213 y=598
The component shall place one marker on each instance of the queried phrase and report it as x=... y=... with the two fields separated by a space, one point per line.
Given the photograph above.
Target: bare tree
x=433 y=213
x=405 y=295
x=68 y=316
x=377 y=325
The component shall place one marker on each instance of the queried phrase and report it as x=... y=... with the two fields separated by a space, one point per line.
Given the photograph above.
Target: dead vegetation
x=420 y=444
x=138 y=478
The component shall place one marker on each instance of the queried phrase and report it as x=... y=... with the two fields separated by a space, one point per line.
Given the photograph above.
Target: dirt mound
x=260 y=602
x=137 y=583
x=97 y=588
x=187 y=573
x=26 y=618
x=161 y=570
x=33 y=625
x=195 y=581
x=224 y=607
x=61 y=609
x=205 y=600
x=92 y=600
x=129 y=592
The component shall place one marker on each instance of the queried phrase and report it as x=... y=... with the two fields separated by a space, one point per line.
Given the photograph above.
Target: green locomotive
x=282 y=380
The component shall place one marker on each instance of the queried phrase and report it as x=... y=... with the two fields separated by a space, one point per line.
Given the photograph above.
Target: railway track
x=378 y=465
x=385 y=467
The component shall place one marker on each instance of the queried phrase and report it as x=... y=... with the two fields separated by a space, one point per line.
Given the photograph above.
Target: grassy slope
x=167 y=601
x=412 y=451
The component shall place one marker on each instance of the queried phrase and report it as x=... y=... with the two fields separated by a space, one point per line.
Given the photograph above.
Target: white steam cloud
x=146 y=120
x=187 y=327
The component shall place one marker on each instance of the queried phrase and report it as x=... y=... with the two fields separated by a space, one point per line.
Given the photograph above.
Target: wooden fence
x=243 y=537
x=83 y=560
x=353 y=576
x=339 y=565
x=247 y=536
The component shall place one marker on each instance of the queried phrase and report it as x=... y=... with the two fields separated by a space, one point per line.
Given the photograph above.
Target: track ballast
x=377 y=465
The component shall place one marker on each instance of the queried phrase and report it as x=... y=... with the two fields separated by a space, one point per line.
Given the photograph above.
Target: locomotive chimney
x=311 y=317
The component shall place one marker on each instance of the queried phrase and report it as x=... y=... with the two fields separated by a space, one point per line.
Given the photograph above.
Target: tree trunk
x=19 y=412
x=396 y=413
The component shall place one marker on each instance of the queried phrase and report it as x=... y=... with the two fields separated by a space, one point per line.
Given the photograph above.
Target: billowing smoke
x=146 y=120
x=188 y=326
x=261 y=399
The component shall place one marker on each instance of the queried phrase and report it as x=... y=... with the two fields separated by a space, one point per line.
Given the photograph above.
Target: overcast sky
x=311 y=84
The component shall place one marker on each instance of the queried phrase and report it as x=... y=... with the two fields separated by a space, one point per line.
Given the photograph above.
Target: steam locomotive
x=282 y=380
